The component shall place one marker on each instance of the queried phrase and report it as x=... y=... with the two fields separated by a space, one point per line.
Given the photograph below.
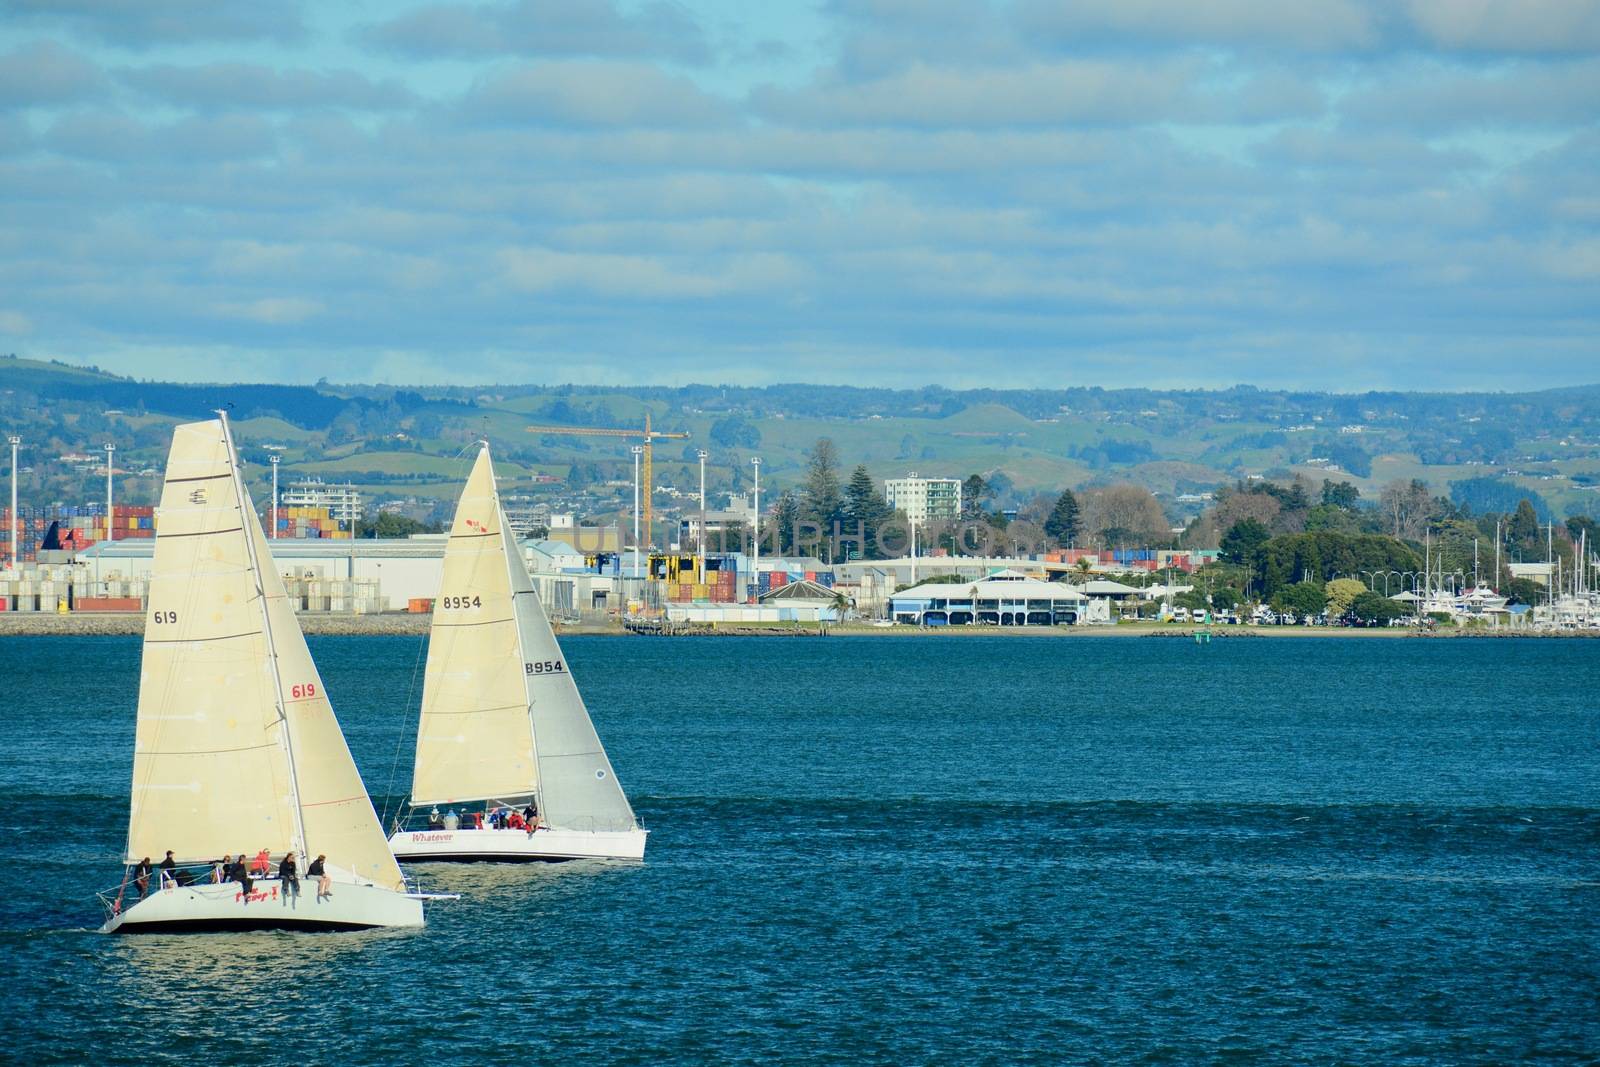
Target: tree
x=864 y=510
x=1407 y=505
x=975 y=492
x=1062 y=523
x=1578 y=525
x=1242 y=539
x=1339 y=495
x=1125 y=514
x=785 y=517
x=1522 y=532
x=388 y=524
x=821 y=500
x=1341 y=593
x=1375 y=609
x=733 y=432
x=1305 y=599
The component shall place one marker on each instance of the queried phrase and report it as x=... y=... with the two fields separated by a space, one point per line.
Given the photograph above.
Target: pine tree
x=864 y=510
x=785 y=514
x=821 y=501
x=1063 y=523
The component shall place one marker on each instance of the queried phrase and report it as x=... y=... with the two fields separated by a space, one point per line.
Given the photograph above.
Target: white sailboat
x=236 y=747
x=503 y=727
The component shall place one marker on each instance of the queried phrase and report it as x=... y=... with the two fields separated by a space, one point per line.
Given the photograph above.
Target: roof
x=1106 y=587
x=993 y=587
x=802 y=590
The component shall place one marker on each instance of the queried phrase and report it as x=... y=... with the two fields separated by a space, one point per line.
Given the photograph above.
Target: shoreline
x=40 y=624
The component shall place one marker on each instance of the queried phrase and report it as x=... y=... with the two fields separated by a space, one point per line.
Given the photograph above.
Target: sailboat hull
x=508 y=846
x=184 y=909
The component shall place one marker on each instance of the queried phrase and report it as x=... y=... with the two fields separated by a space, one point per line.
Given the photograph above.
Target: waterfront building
x=342 y=501
x=922 y=499
x=1007 y=598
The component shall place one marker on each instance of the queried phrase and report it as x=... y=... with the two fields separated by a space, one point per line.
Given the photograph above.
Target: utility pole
x=111 y=524
x=700 y=541
x=637 y=450
x=274 y=458
x=16 y=443
x=755 y=559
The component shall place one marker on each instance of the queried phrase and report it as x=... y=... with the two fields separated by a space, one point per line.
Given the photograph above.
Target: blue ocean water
x=898 y=850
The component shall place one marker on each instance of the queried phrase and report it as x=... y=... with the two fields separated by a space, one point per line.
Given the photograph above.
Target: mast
x=266 y=630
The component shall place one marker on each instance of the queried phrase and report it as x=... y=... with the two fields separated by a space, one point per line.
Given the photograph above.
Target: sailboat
x=504 y=735
x=236 y=746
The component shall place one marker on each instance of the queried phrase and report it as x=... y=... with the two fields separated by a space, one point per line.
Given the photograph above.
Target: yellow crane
x=646 y=436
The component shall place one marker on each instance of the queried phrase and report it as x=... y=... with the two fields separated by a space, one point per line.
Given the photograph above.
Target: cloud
x=136 y=24
x=1508 y=26
x=225 y=86
x=1091 y=91
x=271 y=311
x=1310 y=25
x=14 y=323
x=590 y=93
x=1516 y=94
x=45 y=73
x=542 y=28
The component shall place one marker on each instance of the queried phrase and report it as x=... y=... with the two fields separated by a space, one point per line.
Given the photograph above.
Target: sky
x=1327 y=194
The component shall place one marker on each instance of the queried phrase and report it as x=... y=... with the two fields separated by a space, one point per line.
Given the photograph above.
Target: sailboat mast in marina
x=236 y=748
x=505 y=747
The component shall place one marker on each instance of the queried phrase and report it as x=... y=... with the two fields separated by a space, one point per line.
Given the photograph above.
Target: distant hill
x=410 y=442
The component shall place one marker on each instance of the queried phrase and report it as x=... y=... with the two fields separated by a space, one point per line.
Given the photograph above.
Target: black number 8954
x=463 y=602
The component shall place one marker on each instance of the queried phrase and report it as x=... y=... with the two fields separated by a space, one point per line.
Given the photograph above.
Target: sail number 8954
x=549 y=666
x=462 y=602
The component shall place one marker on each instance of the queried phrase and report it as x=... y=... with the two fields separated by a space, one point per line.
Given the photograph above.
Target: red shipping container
x=108 y=603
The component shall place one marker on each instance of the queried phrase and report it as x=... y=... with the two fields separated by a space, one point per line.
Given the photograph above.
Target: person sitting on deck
x=452 y=821
x=169 y=871
x=262 y=865
x=141 y=877
x=239 y=873
x=477 y=820
x=434 y=822
x=516 y=822
x=219 y=870
x=319 y=871
x=530 y=816
x=289 y=875
x=497 y=817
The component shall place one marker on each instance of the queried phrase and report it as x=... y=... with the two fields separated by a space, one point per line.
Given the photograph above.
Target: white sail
x=473 y=741
x=578 y=788
x=236 y=746
x=211 y=771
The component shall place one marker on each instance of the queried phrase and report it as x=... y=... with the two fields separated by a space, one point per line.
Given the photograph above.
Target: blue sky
x=1324 y=194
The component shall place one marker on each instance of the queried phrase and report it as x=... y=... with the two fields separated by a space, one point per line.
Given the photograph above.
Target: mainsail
x=501 y=714
x=236 y=744
x=473 y=742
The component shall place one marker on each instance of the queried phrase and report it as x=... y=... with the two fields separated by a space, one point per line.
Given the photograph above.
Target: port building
x=1006 y=598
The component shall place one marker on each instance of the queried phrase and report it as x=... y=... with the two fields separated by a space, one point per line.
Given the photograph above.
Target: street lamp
x=755 y=558
x=637 y=451
x=274 y=458
x=111 y=524
x=700 y=541
x=16 y=443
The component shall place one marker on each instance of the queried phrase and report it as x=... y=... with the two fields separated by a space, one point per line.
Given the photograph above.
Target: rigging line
x=404 y=733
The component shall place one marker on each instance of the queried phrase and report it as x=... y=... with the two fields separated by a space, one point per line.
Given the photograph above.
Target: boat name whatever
x=433 y=837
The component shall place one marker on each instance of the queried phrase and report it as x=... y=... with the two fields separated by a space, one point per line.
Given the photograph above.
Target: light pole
x=111 y=523
x=637 y=450
x=700 y=541
x=16 y=443
x=274 y=458
x=755 y=558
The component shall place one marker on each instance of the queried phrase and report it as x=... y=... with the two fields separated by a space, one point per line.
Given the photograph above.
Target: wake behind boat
x=236 y=747
x=504 y=735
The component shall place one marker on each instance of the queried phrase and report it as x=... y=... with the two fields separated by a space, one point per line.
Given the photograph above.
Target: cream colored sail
x=236 y=745
x=474 y=741
x=578 y=788
x=335 y=811
x=211 y=772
